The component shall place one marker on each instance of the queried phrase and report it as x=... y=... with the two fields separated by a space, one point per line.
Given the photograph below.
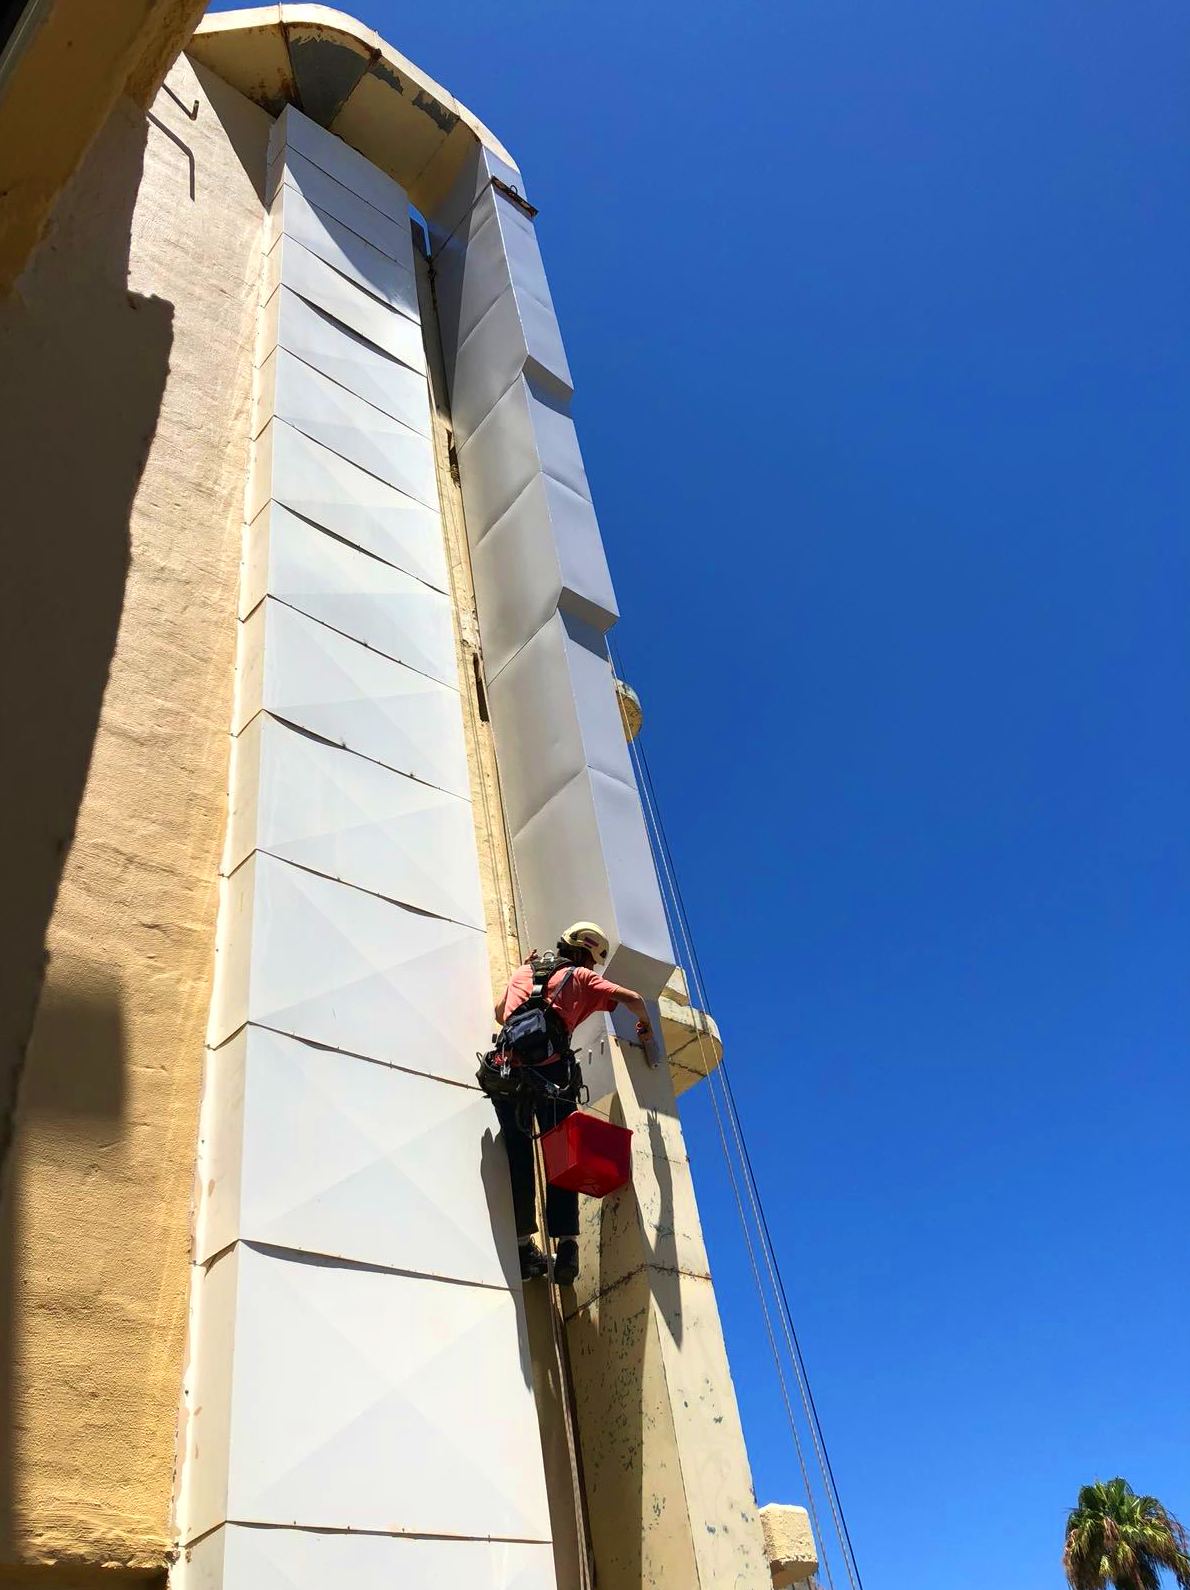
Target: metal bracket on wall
x=511 y=193
x=174 y=139
x=181 y=103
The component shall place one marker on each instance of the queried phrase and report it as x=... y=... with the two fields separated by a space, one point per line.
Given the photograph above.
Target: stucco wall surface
x=98 y=1188
x=74 y=63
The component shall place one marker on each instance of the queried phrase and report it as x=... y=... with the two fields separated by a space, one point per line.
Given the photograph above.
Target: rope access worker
x=546 y=999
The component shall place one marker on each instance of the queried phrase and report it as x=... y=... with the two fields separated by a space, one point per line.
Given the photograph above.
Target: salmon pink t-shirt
x=584 y=994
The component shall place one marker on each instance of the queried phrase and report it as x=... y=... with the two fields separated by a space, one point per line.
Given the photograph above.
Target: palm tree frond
x=1116 y=1538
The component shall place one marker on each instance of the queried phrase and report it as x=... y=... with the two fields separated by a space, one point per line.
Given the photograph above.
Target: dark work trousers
x=561 y=1207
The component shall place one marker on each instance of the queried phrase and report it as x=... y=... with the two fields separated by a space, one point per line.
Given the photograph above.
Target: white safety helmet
x=587 y=936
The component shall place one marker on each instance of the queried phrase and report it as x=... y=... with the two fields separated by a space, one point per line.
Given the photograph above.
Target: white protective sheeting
x=328 y=1154
x=348 y=590
x=502 y=253
x=394 y=388
x=579 y=839
x=521 y=436
x=338 y=246
x=544 y=552
x=362 y=1399
x=291 y=265
x=239 y=1557
x=321 y=960
x=494 y=354
x=348 y=818
x=586 y=850
x=305 y=673
x=315 y=482
x=554 y=712
x=496 y=304
x=289 y=389
x=390 y=234
x=294 y=133
x=490 y=258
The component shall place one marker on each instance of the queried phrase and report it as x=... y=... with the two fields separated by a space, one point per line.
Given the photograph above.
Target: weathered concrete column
x=669 y=1489
x=789 y=1542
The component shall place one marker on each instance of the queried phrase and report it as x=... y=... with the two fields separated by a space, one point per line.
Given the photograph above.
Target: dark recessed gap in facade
x=481 y=694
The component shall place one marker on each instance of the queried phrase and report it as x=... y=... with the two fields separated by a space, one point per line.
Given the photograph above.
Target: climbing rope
x=757 y=1234
x=586 y=1569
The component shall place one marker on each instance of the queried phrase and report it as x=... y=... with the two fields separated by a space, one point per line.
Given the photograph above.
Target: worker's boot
x=534 y=1263
x=566 y=1262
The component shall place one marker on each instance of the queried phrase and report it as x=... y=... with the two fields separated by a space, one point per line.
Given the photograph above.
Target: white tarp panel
x=494 y=354
x=299 y=133
x=299 y=670
x=329 y=1154
x=351 y=255
x=289 y=389
x=492 y=259
x=470 y=183
x=503 y=252
x=316 y=483
x=348 y=818
x=522 y=435
x=240 y=1558
x=394 y=388
x=349 y=590
x=324 y=961
x=365 y=1400
x=291 y=265
x=554 y=711
x=390 y=234
x=545 y=551
x=609 y=876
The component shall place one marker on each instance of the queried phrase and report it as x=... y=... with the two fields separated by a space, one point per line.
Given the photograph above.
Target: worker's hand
x=644 y=1029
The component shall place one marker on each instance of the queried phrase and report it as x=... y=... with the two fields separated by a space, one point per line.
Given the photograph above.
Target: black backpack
x=535 y=1033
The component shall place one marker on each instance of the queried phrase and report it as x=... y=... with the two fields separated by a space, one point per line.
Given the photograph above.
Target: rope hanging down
x=757 y=1235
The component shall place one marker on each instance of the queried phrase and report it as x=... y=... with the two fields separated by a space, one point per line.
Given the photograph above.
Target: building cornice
x=348 y=79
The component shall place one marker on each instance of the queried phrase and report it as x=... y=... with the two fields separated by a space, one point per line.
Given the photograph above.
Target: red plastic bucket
x=584 y=1153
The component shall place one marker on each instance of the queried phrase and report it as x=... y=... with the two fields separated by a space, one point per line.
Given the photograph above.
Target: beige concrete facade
x=116 y=348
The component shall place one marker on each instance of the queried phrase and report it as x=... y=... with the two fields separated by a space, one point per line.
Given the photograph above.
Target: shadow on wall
x=72 y=1106
x=493 y=1170
x=662 y=1251
x=83 y=365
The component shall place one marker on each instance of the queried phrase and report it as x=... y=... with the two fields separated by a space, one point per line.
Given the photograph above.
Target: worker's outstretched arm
x=639 y=1009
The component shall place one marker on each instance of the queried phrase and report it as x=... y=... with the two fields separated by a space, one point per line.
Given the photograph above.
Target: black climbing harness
x=534 y=1038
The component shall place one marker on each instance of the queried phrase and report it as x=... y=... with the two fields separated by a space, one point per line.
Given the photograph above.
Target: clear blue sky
x=879 y=314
